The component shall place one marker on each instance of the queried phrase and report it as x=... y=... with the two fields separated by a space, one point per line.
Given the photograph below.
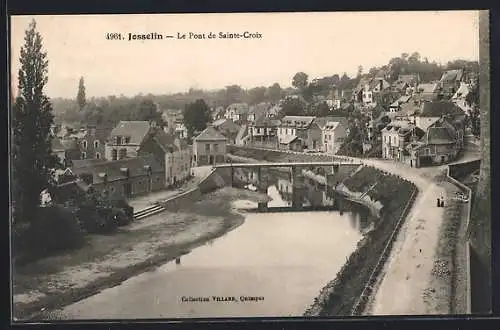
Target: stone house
x=227 y=128
x=170 y=151
x=430 y=112
x=92 y=143
x=395 y=136
x=264 y=131
x=450 y=82
x=126 y=138
x=304 y=128
x=334 y=130
x=237 y=112
x=123 y=178
x=209 y=147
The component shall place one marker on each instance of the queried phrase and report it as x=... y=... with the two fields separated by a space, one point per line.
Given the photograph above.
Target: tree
x=32 y=157
x=80 y=97
x=196 y=116
x=344 y=81
x=234 y=94
x=322 y=110
x=360 y=71
x=148 y=111
x=300 y=80
x=257 y=95
x=293 y=107
x=274 y=92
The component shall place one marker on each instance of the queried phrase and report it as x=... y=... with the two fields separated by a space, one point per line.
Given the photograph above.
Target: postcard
x=186 y=166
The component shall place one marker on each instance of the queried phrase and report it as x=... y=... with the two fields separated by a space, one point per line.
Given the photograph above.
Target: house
x=257 y=111
x=58 y=149
x=92 y=142
x=395 y=136
x=334 y=130
x=237 y=112
x=427 y=92
x=362 y=85
x=334 y=99
x=450 y=81
x=123 y=178
x=460 y=97
x=430 y=112
x=126 y=138
x=170 y=151
x=396 y=105
x=218 y=112
x=374 y=87
x=227 y=128
x=72 y=149
x=441 y=143
x=209 y=147
x=264 y=131
x=303 y=128
x=406 y=82
x=243 y=137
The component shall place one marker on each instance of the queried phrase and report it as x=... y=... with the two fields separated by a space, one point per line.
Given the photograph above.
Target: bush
x=120 y=217
x=97 y=220
x=122 y=204
x=55 y=229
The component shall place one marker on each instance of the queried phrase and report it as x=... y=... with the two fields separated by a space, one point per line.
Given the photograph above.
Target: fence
x=360 y=304
x=461 y=186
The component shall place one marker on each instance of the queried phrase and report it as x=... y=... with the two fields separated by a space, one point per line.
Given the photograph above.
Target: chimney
x=381 y=84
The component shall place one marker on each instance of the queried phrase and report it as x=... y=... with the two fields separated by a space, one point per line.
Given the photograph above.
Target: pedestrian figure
x=442 y=201
x=438 y=202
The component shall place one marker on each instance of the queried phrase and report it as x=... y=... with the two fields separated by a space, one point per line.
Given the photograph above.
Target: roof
x=137 y=166
x=102 y=133
x=438 y=135
x=165 y=141
x=136 y=130
x=427 y=88
x=70 y=144
x=288 y=139
x=362 y=82
x=440 y=108
x=375 y=82
x=210 y=134
x=462 y=91
x=264 y=121
x=302 y=121
x=57 y=145
x=324 y=121
x=399 y=126
x=242 y=132
x=452 y=75
x=409 y=78
x=259 y=109
x=240 y=108
x=226 y=125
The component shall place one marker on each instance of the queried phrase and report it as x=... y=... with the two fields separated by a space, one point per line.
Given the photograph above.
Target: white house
x=237 y=112
x=460 y=97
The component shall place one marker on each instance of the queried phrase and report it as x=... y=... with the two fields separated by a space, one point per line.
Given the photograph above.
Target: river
x=281 y=260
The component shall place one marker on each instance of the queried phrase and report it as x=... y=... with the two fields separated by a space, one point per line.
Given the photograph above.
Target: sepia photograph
x=242 y=165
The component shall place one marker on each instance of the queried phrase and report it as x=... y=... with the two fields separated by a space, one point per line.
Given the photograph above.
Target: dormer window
x=118 y=140
x=84 y=144
x=96 y=144
x=127 y=139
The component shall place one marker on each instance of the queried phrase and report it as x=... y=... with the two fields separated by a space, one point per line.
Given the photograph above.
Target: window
x=207 y=147
x=139 y=183
x=216 y=147
x=96 y=144
x=114 y=154
x=84 y=155
x=118 y=140
x=123 y=153
x=112 y=189
x=97 y=155
x=84 y=144
x=127 y=139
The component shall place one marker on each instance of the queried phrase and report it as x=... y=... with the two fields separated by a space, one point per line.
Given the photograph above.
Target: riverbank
x=108 y=260
x=393 y=196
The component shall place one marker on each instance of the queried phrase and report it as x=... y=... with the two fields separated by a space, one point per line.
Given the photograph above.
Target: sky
x=319 y=44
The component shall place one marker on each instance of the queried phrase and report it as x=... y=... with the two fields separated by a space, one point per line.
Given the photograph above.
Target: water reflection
x=313 y=194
